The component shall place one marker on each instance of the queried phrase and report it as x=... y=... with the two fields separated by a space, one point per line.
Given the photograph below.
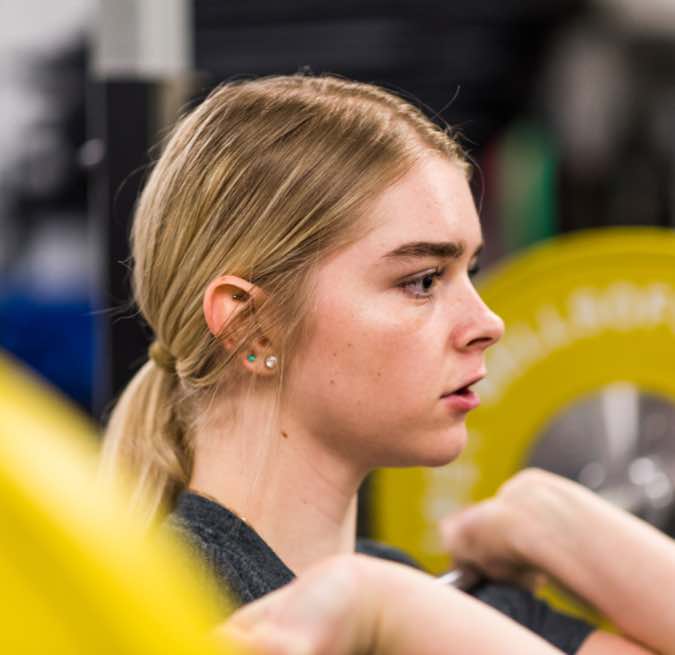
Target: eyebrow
x=441 y=249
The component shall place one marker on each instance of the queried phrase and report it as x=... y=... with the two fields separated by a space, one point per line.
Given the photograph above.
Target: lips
x=463 y=399
x=465 y=388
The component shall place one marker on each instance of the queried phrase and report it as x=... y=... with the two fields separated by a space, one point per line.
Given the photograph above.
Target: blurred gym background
x=566 y=106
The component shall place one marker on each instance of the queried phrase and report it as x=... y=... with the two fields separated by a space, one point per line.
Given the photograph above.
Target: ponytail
x=145 y=443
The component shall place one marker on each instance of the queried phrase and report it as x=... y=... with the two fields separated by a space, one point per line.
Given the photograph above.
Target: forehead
x=432 y=202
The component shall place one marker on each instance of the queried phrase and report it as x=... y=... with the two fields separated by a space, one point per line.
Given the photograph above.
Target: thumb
x=261 y=639
x=455 y=528
x=304 y=616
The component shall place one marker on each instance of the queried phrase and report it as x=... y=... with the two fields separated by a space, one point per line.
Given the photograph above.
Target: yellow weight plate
x=581 y=312
x=25 y=394
x=76 y=572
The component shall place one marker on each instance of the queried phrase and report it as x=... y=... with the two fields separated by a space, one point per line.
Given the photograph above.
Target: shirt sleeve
x=562 y=631
x=382 y=551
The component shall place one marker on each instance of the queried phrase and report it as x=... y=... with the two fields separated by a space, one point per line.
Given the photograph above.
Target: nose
x=480 y=327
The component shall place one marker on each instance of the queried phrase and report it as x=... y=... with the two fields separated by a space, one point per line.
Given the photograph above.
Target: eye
x=420 y=286
x=474 y=269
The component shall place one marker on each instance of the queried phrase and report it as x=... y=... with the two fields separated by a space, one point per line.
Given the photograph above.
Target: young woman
x=303 y=252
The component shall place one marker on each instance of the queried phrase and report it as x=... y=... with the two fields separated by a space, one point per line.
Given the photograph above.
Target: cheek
x=367 y=382
x=371 y=355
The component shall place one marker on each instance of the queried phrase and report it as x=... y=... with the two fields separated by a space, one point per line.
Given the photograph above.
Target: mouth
x=463 y=399
x=465 y=389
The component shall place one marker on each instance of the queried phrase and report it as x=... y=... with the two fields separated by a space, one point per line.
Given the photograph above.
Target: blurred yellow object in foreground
x=77 y=574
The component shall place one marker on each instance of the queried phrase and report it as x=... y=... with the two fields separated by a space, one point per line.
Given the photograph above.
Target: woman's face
x=397 y=330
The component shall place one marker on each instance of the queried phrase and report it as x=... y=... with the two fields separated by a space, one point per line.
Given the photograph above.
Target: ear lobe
x=224 y=299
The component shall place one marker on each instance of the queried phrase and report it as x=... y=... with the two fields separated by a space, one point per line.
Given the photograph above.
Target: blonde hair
x=261 y=180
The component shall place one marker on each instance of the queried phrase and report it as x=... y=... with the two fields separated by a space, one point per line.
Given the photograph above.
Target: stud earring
x=251 y=358
x=271 y=361
x=238 y=296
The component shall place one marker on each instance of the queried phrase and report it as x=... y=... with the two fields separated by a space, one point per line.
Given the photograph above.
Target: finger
x=268 y=639
x=305 y=614
x=460 y=530
x=232 y=639
x=264 y=638
x=452 y=532
x=260 y=610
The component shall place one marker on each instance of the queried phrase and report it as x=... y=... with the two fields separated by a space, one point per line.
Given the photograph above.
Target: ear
x=225 y=298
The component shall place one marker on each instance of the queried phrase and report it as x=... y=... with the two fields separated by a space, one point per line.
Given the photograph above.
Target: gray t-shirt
x=246 y=568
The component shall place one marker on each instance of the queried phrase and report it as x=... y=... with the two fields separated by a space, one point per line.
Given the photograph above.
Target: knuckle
x=526 y=478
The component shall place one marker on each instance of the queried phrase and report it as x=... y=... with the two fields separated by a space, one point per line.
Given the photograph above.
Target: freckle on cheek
x=332 y=381
x=284 y=434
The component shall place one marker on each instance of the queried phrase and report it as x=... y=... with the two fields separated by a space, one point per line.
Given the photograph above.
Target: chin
x=436 y=449
x=452 y=445
x=442 y=458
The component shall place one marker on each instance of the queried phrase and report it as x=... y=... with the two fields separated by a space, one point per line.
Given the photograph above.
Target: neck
x=293 y=491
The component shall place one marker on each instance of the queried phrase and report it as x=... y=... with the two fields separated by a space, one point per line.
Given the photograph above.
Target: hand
x=540 y=524
x=501 y=537
x=319 y=613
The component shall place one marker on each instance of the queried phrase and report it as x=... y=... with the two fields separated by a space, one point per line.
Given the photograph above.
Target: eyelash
x=434 y=275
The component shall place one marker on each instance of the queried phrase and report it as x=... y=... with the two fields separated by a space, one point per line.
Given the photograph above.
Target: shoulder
x=243 y=565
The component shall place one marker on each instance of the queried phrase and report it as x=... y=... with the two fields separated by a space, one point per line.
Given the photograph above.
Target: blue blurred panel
x=55 y=337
